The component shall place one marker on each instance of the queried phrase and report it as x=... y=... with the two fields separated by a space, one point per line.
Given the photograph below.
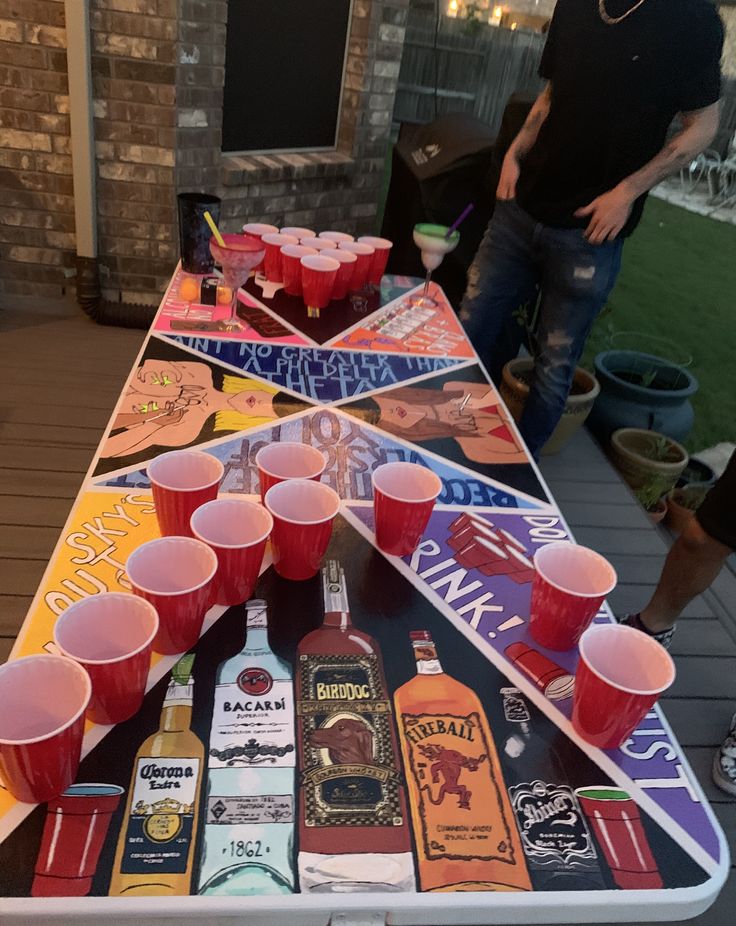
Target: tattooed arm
x=609 y=212
x=522 y=144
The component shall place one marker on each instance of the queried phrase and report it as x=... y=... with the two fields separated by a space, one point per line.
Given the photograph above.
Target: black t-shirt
x=615 y=91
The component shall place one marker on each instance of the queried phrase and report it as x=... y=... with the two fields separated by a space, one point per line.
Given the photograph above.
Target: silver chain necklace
x=614 y=20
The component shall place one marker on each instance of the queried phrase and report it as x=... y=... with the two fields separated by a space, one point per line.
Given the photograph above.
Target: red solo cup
x=258 y=230
x=284 y=460
x=298 y=232
x=272 y=259
x=319 y=244
x=44 y=699
x=364 y=254
x=403 y=498
x=570 y=584
x=620 y=675
x=175 y=574
x=347 y=261
x=181 y=481
x=382 y=248
x=336 y=236
x=291 y=269
x=237 y=530
x=617 y=825
x=111 y=635
x=318 y=278
x=303 y=512
x=73 y=835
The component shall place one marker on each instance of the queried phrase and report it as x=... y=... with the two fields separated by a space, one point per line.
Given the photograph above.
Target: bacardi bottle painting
x=353 y=822
x=155 y=851
x=464 y=827
x=249 y=810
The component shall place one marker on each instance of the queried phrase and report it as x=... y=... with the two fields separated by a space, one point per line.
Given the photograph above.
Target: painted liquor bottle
x=249 y=810
x=464 y=827
x=155 y=851
x=559 y=848
x=353 y=822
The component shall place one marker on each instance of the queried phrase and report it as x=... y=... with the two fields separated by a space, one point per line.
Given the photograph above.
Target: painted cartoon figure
x=449 y=763
x=468 y=412
x=168 y=403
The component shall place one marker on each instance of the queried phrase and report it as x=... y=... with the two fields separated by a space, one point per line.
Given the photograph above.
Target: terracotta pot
x=514 y=392
x=657 y=514
x=683 y=503
x=634 y=453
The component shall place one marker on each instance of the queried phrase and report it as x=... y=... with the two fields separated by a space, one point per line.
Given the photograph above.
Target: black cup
x=194 y=232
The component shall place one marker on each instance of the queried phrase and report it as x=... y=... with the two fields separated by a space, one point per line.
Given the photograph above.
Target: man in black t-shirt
x=574 y=180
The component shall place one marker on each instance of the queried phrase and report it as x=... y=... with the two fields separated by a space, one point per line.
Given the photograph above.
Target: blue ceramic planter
x=642 y=391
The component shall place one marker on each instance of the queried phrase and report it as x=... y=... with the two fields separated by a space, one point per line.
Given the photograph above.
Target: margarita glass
x=433 y=242
x=241 y=254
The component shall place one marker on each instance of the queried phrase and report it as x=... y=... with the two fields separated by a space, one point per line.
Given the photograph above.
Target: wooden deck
x=60 y=375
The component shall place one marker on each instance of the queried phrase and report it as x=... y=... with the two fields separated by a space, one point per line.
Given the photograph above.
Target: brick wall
x=158 y=75
x=337 y=189
x=134 y=55
x=36 y=194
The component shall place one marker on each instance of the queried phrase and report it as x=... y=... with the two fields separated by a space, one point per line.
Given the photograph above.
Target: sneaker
x=663 y=637
x=724 y=762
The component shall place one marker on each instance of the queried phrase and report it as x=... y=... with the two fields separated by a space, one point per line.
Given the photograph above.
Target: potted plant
x=651 y=496
x=682 y=503
x=516 y=382
x=642 y=390
x=696 y=472
x=640 y=456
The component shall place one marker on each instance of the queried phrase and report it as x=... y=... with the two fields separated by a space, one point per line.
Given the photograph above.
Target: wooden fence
x=472 y=72
x=477 y=71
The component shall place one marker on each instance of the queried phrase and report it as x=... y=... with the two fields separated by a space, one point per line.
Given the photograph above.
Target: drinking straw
x=215 y=231
x=461 y=218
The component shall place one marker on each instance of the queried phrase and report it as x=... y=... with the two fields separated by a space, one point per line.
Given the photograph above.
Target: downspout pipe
x=89 y=292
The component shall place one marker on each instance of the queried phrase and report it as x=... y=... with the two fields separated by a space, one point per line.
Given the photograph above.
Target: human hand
x=608 y=215
x=510 y=170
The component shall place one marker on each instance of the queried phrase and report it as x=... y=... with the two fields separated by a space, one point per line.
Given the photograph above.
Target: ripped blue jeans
x=518 y=259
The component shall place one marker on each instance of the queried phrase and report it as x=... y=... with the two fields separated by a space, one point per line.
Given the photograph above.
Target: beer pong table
x=364 y=388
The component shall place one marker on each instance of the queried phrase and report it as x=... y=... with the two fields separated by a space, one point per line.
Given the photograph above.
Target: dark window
x=283 y=73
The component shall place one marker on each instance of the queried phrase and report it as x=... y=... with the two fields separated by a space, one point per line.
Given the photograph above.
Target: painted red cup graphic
x=364 y=254
x=570 y=584
x=347 y=261
x=73 y=835
x=319 y=243
x=298 y=232
x=258 y=230
x=181 y=481
x=617 y=825
x=552 y=680
x=621 y=674
x=283 y=460
x=175 y=574
x=382 y=250
x=291 y=268
x=272 y=258
x=111 y=635
x=403 y=498
x=303 y=512
x=44 y=699
x=318 y=278
x=237 y=530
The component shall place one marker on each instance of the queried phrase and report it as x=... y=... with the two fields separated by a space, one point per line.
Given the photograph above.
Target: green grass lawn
x=679 y=282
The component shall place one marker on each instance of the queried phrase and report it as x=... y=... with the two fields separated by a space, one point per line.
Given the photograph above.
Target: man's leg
x=578 y=278
x=502 y=277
